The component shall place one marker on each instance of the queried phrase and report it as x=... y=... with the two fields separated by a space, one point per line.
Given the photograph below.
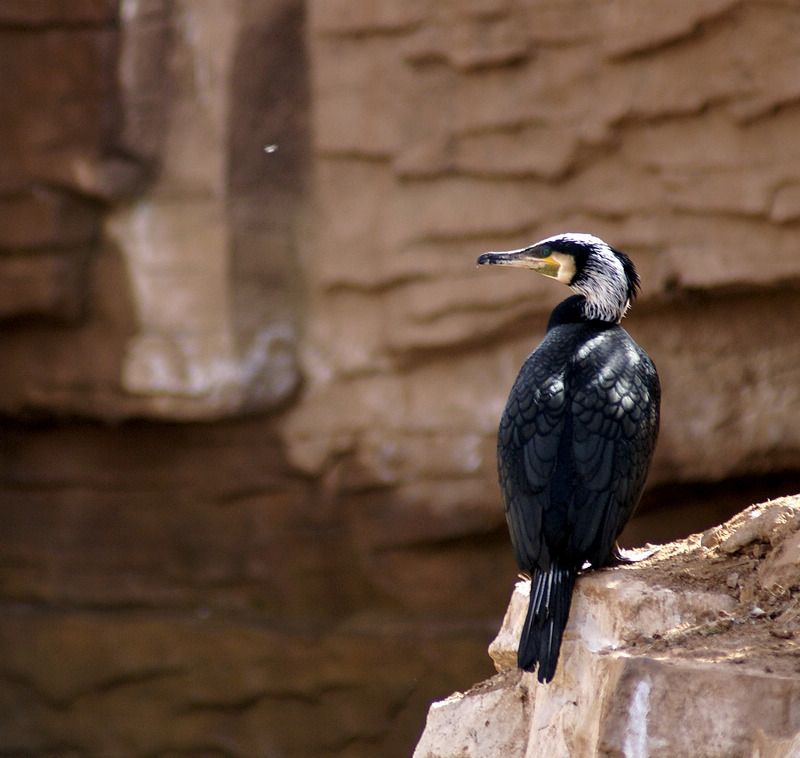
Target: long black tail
x=548 y=611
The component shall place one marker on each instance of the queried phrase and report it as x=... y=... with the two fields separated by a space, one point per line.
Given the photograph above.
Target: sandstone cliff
x=248 y=399
x=692 y=652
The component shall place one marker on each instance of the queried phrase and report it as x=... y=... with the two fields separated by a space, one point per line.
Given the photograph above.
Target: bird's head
x=604 y=276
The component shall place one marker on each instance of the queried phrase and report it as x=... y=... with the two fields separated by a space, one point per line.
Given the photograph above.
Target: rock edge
x=694 y=651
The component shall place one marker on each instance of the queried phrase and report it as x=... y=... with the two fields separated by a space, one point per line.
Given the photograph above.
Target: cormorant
x=577 y=435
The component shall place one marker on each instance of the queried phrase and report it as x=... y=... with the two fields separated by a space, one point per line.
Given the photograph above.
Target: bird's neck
x=605 y=297
x=603 y=282
x=601 y=309
x=577 y=309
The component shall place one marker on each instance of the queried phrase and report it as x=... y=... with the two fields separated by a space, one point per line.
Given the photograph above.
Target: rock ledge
x=694 y=651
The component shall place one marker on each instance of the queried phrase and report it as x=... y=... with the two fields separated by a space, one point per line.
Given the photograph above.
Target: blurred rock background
x=247 y=485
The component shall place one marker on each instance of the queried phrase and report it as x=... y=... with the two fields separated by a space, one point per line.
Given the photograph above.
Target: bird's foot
x=627 y=556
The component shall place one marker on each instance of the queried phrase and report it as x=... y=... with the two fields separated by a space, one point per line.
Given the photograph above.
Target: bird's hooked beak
x=537 y=257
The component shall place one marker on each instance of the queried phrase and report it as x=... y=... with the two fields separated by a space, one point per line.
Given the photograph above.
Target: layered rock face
x=146 y=236
x=341 y=559
x=445 y=131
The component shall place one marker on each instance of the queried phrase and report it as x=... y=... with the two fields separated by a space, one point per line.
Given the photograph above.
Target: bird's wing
x=573 y=453
x=531 y=431
x=614 y=419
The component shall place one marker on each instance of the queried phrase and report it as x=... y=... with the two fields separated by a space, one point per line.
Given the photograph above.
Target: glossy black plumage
x=574 y=447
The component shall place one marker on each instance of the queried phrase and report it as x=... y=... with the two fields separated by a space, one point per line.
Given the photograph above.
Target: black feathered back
x=574 y=447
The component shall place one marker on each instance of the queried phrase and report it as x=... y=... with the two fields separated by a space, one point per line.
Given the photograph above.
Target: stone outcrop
x=694 y=651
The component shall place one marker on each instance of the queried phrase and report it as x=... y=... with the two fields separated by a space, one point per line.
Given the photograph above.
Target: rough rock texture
x=695 y=651
x=441 y=131
x=206 y=246
x=146 y=219
x=303 y=582
x=177 y=589
x=47 y=226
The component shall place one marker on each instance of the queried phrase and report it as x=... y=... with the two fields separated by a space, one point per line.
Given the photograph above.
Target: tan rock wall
x=305 y=583
x=444 y=131
x=139 y=209
x=47 y=229
x=177 y=589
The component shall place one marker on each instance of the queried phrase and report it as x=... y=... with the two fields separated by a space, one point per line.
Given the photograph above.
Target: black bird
x=577 y=435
